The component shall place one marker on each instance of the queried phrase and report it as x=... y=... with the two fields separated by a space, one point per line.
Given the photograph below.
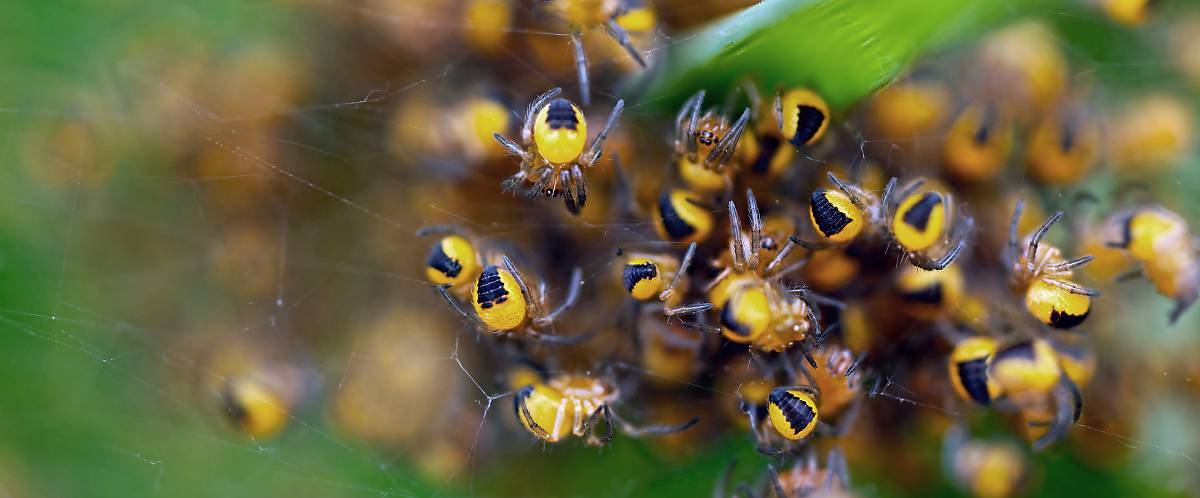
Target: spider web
x=208 y=230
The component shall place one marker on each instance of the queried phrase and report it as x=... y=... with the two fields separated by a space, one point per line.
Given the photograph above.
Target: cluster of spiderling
x=803 y=277
x=795 y=280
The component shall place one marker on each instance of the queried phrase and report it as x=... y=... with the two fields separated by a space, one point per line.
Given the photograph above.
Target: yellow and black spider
x=1032 y=381
x=987 y=469
x=574 y=405
x=754 y=305
x=1042 y=275
x=794 y=412
x=705 y=144
x=918 y=221
x=554 y=150
x=503 y=304
x=1161 y=242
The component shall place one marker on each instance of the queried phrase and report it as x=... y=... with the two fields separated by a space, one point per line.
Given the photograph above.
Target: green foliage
x=844 y=49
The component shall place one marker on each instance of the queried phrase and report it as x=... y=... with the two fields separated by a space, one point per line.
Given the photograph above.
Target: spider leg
x=1181 y=305
x=836 y=467
x=909 y=188
x=738 y=249
x=1013 y=236
x=779 y=110
x=512 y=269
x=618 y=33
x=815 y=298
x=580 y=185
x=572 y=296
x=649 y=430
x=783 y=254
x=777 y=486
x=756 y=228
x=961 y=231
x=724 y=149
x=522 y=409
x=1060 y=427
x=1031 y=252
x=595 y=150
x=726 y=477
x=568 y=194
x=563 y=340
x=750 y=89
x=683 y=268
x=532 y=110
x=445 y=228
x=442 y=289
x=1067 y=266
x=1072 y=287
x=589 y=426
x=512 y=147
x=691 y=111
x=581 y=67
x=854 y=197
x=886 y=200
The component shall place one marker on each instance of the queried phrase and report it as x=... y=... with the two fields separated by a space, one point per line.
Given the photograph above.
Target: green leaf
x=843 y=49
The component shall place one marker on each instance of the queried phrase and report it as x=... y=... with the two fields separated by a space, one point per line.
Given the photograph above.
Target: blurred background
x=209 y=199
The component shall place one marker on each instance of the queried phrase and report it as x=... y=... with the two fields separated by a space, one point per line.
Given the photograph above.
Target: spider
x=794 y=412
x=1031 y=377
x=705 y=144
x=647 y=276
x=554 y=150
x=919 y=222
x=572 y=404
x=503 y=304
x=1042 y=274
x=754 y=306
x=805 y=478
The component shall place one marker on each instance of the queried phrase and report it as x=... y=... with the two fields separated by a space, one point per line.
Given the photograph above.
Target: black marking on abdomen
x=561 y=115
x=674 y=225
x=917 y=216
x=928 y=295
x=767 y=146
x=1064 y=320
x=829 y=218
x=731 y=323
x=986 y=122
x=798 y=413
x=1066 y=138
x=1022 y=350
x=439 y=261
x=973 y=376
x=1127 y=232
x=490 y=288
x=635 y=273
x=808 y=121
x=234 y=407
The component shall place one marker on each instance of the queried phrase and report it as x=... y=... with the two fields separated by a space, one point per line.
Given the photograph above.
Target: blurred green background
x=97 y=275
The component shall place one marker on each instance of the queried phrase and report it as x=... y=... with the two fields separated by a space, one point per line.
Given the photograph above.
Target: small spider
x=573 y=404
x=554 y=150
